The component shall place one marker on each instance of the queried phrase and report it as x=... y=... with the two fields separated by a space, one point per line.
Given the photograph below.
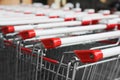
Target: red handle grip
x=53 y=16
x=27 y=12
x=7 y=29
x=111 y=26
x=40 y=14
x=27 y=34
x=70 y=19
x=86 y=22
x=51 y=42
x=95 y=21
x=89 y=56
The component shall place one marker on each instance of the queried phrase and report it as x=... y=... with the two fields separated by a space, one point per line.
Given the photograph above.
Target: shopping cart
x=50 y=59
x=72 y=69
x=107 y=69
x=33 y=65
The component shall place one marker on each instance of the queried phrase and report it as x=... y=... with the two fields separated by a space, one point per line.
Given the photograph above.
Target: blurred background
x=96 y=4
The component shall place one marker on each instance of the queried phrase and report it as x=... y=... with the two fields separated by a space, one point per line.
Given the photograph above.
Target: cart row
x=76 y=46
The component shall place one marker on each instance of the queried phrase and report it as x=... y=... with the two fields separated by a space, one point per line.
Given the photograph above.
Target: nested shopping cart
x=22 y=67
x=44 y=59
x=37 y=63
x=75 y=70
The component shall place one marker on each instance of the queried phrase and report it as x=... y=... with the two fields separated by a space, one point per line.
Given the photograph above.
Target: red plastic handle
x=51 y=42
x=53 y=16
x=95 y=21
x=87 y=22
x=70 y=19
x=111 y=26
x=27 y=34
x=27 y=12
x=7 y=29
x=89 y=56
x=40 y=14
